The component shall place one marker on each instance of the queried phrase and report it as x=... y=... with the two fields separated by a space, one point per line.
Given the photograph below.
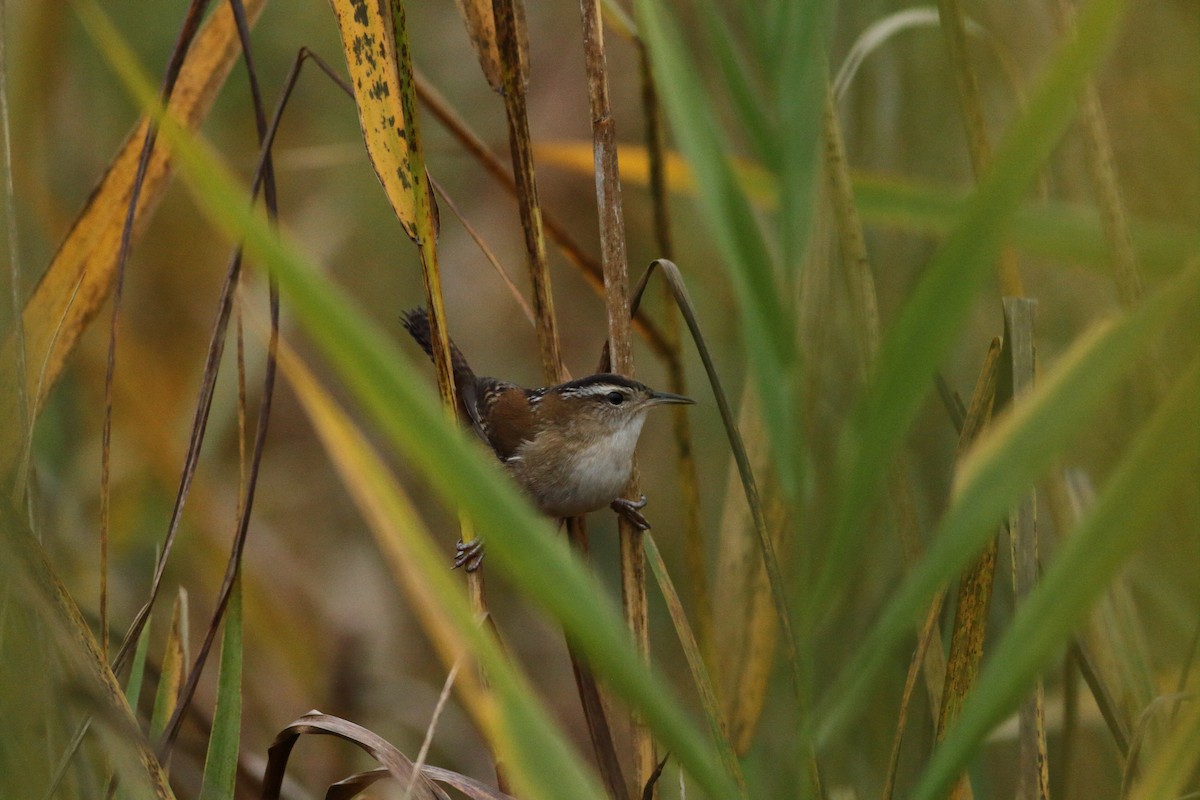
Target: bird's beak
x=665 y=398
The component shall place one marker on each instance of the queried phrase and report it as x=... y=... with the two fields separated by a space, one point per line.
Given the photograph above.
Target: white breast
x=595 y=475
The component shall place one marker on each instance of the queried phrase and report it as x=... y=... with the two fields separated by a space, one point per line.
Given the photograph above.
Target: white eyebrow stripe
x=597 y=389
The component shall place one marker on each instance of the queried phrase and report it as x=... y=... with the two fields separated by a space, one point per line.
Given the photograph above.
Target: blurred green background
x=326 y=628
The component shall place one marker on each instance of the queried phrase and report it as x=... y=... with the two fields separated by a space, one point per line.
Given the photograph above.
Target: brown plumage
x=569 y=446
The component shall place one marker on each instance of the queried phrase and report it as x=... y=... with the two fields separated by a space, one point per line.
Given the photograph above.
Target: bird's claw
x=631 y=511
x=468 y=555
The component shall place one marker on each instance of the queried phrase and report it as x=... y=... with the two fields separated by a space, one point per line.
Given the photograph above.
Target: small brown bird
x=570 y=446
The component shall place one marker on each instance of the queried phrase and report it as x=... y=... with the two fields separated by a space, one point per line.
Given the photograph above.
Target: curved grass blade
x=1165 y=453
x=315 y=723
x=737 y=446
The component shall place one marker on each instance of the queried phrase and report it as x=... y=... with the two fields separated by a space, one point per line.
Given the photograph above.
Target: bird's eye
x=616 y=398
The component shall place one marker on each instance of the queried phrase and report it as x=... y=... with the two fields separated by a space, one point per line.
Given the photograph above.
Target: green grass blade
x=800 y=86
x=998 y=470
x=520 y=542
x=749 y=101
x=691 y=650
x=137 y=668
x=1165 y=454
x=931 y=320
x=769 y=330
x=220 y=765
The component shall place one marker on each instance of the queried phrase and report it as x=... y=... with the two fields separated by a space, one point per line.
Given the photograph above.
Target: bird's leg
x=468 y=555
x=630 y=510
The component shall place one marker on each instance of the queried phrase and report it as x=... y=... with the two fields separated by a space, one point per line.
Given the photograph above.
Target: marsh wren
x=570 y=446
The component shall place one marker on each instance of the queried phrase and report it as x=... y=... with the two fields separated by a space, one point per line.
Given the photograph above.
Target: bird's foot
x=631 y=511
x=468 y=555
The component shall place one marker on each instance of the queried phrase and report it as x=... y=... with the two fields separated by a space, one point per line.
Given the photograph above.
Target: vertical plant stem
x=1098 y=153
x=513 y=76
x=191 y=24
x=975 y=586
x=1032 y=773
x=954 y=29
x=575 y=255
x=689 y=481
x=616 y=297
x=425 y=221
x=20 y=491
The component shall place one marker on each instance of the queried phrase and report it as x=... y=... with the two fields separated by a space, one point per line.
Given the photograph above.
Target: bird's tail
x=416 y=322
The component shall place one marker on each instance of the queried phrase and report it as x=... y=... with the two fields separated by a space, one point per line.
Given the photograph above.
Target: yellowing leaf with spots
x=369 y=41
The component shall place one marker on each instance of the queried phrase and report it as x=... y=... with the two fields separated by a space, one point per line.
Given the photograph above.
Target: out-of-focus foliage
x=326 y=627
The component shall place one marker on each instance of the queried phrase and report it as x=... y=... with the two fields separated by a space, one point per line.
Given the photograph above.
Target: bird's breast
x=568 y=478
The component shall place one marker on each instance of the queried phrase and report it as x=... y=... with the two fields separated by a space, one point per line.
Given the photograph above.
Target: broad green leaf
x=386 y=383
x=931 y=320
x=1006 y=460
x=1165 y=454
x=220 y=765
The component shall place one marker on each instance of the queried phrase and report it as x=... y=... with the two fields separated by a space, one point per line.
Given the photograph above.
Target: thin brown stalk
x=954 y=30
x=423 y=753
x=191 y=24
x=426 y=228
x=910 y=681
x=208 y=382
x=556 y=231
x=975 y=587
x=487 y=251
x=513 y=78
x=233 y=566
x=510 y=38
x=1101 y=166
x=620 y=346
x=594 y=714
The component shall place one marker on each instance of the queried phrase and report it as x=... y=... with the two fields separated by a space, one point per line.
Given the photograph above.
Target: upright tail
x=416 y=322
